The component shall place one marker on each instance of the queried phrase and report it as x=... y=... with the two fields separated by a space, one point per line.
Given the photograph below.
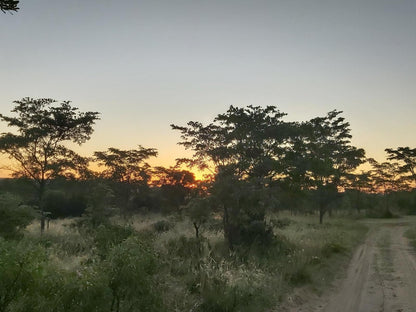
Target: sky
x=147 y=64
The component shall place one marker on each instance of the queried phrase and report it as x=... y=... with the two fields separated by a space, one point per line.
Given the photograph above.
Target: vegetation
x=37 y=148
x=135 y=238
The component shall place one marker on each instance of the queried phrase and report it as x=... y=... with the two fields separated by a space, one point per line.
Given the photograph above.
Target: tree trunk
x=41 y=208
x=196 y=230
x=322 y=211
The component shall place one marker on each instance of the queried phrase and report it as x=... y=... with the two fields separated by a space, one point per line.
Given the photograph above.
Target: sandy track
x=381 y=276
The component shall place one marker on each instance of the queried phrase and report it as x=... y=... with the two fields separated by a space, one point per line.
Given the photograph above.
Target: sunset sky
x=147 y=64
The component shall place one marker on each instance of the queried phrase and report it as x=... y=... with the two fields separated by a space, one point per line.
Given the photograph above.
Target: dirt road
x=380 y=277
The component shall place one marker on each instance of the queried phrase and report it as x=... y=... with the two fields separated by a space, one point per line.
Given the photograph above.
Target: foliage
x=100 y=206
x=386 y=177
x=328 y=156
x=198 y=210
x=128 y=171
x=14 y=216
x=130 y=267
x=106 y=236
x=125 y=165
x=38 y=149
x=175 y=186
x=9 y=5
x=407 y=161
x=245 y=147
x=20 y=267
x=60 y=204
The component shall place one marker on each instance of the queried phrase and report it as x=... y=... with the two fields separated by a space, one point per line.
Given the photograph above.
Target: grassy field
x=155 y=263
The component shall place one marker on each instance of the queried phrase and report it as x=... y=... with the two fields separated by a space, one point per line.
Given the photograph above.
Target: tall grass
x=184 y=272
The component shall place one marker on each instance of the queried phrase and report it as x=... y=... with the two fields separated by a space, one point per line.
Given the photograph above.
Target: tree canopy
x=125 y=165
x=37 y=147
x=406 y=158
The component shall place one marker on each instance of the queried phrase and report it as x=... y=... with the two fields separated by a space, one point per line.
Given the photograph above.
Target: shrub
x=21 y=266
x=60 y=205
x=109 y=235
x=130 y=267
x=14 y=217
x=100 y=206
x=257 y=232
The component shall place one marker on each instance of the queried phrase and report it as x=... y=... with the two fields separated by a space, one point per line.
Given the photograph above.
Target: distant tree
x=37 y=149
x=407 y=161
x=128 y=169
x=359 y=183
x=175 y=185
x=386 y=177
x=9 y=5
x=328 y=156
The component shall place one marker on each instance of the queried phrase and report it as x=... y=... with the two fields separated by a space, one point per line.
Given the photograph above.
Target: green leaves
x=14 y=217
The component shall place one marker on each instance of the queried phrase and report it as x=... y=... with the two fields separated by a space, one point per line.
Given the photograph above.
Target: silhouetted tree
x=175 y=185
x=407 y=161
x=245 y=149
x=359 y=183
x=37 y=149
x=129 y=171
x=329 y=156
x=387 y=179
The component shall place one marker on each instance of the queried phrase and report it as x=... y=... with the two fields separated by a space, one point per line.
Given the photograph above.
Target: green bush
x=21 y=266
x=14 y=217
x=130 y=267
x=107 y=236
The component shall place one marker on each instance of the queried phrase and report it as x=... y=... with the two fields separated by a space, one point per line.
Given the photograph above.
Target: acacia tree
x=328 y=156
x=406 y=158
x=244 y=148
x=37 y=149
x=128 y=169
x=387 y=179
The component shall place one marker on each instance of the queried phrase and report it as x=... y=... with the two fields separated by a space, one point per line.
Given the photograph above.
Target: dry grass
x=313 y=255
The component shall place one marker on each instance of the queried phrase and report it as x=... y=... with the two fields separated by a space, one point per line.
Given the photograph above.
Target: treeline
x=255 y=161
x=220 y=244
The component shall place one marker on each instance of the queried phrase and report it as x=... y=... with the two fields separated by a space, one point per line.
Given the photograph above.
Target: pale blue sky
x=146 y=64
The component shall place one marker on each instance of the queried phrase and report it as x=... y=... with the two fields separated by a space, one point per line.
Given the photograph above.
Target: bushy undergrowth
x=14 y=216
x=112 y=267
